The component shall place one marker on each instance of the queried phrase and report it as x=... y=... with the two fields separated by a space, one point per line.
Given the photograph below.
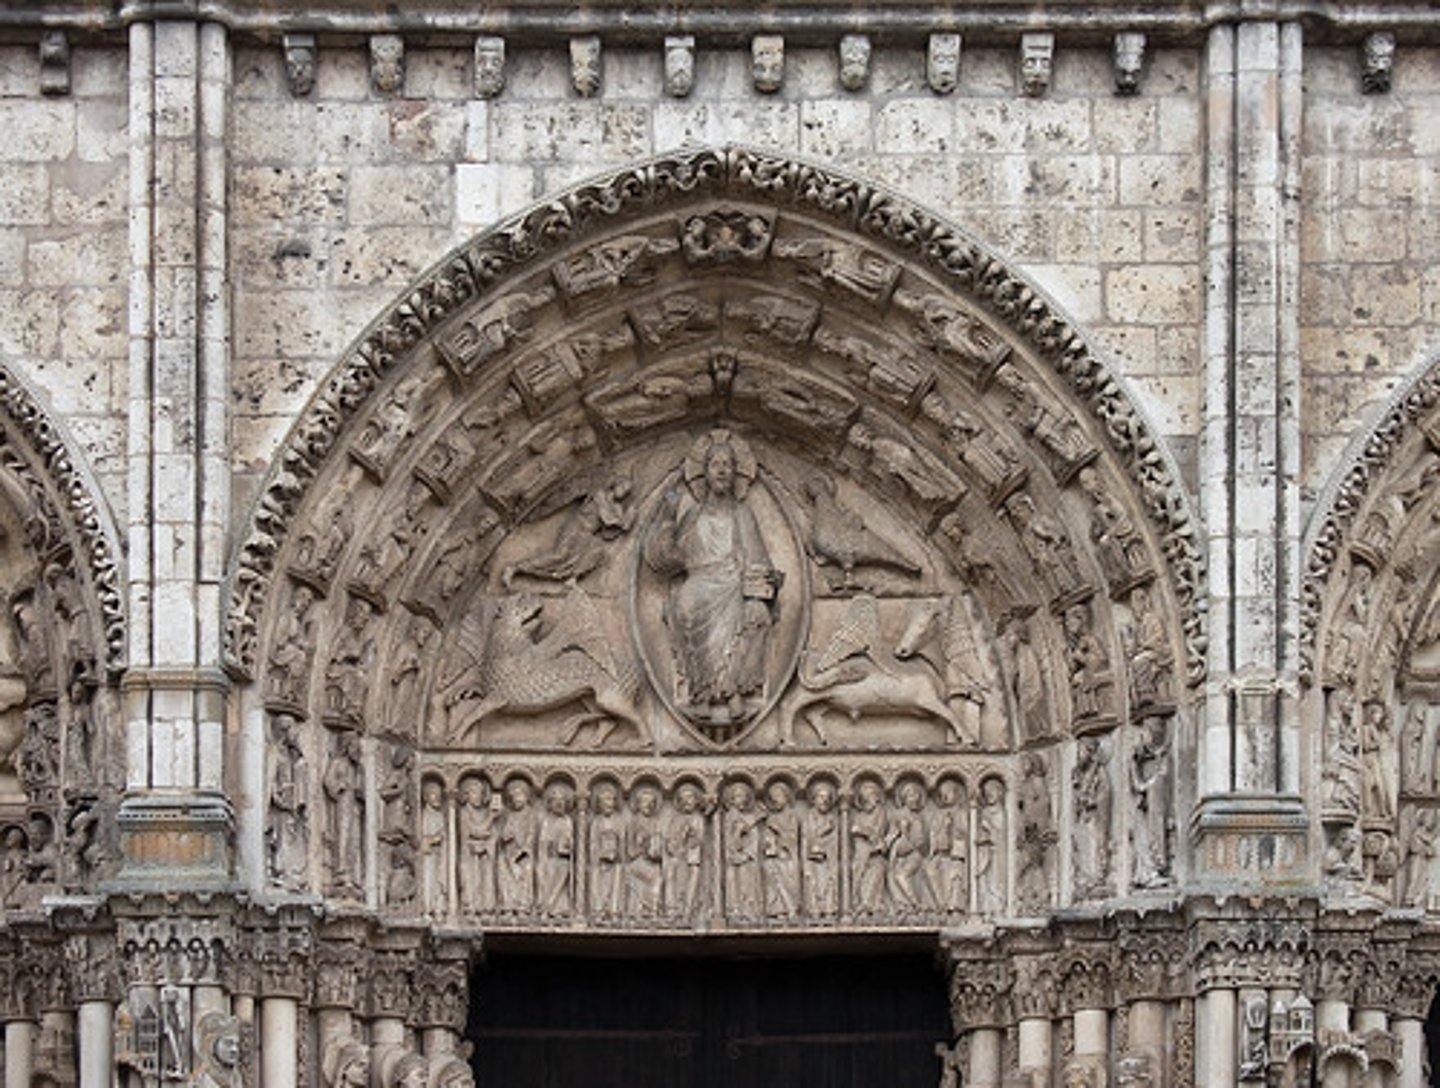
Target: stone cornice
x=551 y=21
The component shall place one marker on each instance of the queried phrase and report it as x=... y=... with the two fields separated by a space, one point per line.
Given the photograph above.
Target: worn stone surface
x=234 y=358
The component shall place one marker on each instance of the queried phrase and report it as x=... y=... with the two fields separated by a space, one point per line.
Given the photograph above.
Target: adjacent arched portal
x=62 y=647
x=1372 y=636
x=724 y=546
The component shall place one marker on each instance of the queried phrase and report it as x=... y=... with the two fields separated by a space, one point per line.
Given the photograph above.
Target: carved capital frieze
x=341 y=967
x=1232 y=953
x=1149 y=963
x=92 y=962
x=1376 y=988
x=981 y=982
x=1412 y=988
x=52 y=980
x=1086 y=971
x=1036 y=992
x=21 y=975
x=443 y=1000
x=276 y=954
x=390 y=991
x=1338 y=963
x=175 y=950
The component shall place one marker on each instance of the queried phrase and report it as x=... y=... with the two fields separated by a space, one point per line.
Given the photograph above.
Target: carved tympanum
x=785 y=576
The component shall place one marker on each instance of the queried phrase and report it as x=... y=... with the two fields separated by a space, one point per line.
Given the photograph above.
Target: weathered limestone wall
x=338 y=201
x=1370 y=230
x=187 y=246
x=340 y=198
x=63 y=245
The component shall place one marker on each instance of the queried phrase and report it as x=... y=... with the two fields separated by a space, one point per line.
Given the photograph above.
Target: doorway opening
x=838 y=1021
x=1432 y=1043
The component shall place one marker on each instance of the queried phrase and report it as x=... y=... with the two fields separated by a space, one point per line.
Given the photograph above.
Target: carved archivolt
x=958 y=267
x=34 y=450
x=720 y=462
x=1376 y=498
x=62 y=638
x=1371 y=642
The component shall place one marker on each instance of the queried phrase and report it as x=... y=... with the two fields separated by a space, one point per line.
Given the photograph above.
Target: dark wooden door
x=833 y=1022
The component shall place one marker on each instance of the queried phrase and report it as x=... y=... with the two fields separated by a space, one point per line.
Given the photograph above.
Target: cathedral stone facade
x=584 y=480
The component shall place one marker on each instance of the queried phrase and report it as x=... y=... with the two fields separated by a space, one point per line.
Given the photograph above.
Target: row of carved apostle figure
x=750 y=853
x=750 y=849
x=761 y=854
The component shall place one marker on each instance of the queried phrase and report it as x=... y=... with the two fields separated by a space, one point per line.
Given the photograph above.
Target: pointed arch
x=1370 y=641
x=941 y=531
x=62 y=647
x=48 y=466
x=1375 y=499
x=477 y=270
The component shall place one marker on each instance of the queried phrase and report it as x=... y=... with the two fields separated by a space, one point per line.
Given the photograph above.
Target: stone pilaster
x=1251 y=826
x=175 y=820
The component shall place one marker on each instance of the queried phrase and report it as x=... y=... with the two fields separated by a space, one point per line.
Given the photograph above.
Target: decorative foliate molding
x=34 y=438
x=523 y=241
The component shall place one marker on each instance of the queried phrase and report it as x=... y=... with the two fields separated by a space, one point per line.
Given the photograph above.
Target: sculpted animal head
x=925 y=621
x=516 y=619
